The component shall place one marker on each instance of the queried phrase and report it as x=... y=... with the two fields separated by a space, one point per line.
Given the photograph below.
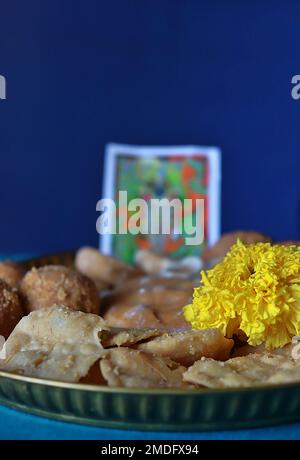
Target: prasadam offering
x=62 y=344
x=235 y=327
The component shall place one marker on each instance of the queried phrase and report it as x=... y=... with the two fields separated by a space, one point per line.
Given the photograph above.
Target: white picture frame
x=213 y=154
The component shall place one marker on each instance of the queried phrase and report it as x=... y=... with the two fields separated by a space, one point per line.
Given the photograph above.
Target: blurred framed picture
x=149 y=172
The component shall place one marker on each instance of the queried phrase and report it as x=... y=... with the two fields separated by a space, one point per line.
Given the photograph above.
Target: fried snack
x=149 y=309
x=150 y=283
x=55 y=284
x=117 y=337
x=11 y=272
x=55 y=343
x=246 y=350
x=172 y=318
x=131 y=316
x=153 y=302
x=220 y=249
x=246 y=371
x=140 y=316
x=152 y=263
x=187 y=347
x=125 y=367
x=103 y=270
x=10 y=309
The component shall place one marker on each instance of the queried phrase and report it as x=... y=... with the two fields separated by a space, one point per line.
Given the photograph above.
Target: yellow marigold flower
x=255 y=289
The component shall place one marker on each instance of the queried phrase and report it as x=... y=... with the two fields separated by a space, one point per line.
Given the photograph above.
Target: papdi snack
x=189 y=346
x=105 y=271
x=125 y=367
x=246 y=371
x=55 y=343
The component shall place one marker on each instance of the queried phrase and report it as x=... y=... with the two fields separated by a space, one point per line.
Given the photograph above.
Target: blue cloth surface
x=18 y=425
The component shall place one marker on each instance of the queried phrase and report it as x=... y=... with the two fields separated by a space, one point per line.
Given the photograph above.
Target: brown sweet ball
x=56 y=284
x=11 y=272
x=10 y=309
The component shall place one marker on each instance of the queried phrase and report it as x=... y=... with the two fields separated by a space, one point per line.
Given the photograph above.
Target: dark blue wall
x=80 y=74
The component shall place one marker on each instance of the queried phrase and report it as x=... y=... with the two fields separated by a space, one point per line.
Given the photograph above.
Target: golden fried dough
x=149 y=283
x=246 y=350
x=11 y=272
x=153 y=302
x=149 y=309
x=152 y=263
x=246 y=371
x=128 y=316
x=55 y=343
x=128 y=337
x=102 y=269
x=125 y=367
x=10 y=309
x=187 y=347
x=55 y=284
x=220 y=249
x=173 y=319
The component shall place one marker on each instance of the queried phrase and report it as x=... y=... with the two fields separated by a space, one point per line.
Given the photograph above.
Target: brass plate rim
x=145 y=391
x=193 y=427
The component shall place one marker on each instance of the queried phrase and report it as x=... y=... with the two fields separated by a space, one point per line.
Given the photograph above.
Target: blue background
x=84 y=73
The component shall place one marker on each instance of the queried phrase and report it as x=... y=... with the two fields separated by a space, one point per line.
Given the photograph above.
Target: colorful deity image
x=156 y=177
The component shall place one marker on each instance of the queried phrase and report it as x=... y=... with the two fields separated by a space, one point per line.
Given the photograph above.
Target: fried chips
x=61 y=344
x=55 y=343
x=247 y=371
